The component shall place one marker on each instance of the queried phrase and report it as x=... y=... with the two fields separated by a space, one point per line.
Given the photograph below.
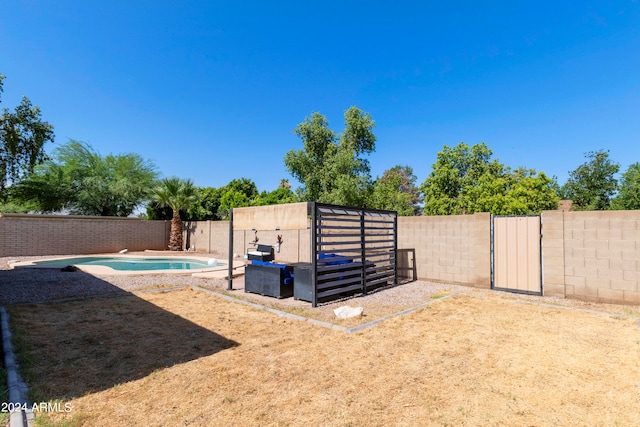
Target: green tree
x=456 y=171
x=245 y=186
x=214 y=203
x=233 y=199
x=465 y=180
x=206 y=205
x=177 y=194
x=628 y=197
x=396 y=190
x=22 y=137
x=278 y=196
x=523 y=191
x=81 y=181
x=592 y=185
x=559 y=189
x=332 y=169
x=237 y=193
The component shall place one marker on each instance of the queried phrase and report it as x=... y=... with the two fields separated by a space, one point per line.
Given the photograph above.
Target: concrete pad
x=220 y=274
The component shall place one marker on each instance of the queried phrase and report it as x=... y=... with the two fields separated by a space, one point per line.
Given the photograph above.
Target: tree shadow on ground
x=74 y=347
x=36 y=285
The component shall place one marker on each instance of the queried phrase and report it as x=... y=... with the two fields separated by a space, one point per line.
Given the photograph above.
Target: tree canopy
x=456 y=171
x=332 y=169
x=629 y=193
x=592 y=185
x=396 y=190
x=79 y=180
x=23 y=135
x=520 y=192
x=276 y=197
x=464 y=179
x=214 y=203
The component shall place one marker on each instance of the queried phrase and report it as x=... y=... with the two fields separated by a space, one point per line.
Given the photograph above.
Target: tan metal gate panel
x=516 y=254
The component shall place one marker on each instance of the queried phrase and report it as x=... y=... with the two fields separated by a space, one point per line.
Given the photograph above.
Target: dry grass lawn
x=189 y=358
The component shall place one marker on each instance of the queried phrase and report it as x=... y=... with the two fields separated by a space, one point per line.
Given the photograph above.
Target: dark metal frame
x=353 y=250
x=409 y=273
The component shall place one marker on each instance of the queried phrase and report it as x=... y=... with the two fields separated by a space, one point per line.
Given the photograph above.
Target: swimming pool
x=129 y=264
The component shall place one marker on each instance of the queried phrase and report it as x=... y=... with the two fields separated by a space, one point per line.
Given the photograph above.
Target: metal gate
x=516 y=261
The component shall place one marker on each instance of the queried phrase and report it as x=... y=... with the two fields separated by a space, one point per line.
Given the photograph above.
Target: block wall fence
x=23 y=235
x=593 y=256
x=212 y=237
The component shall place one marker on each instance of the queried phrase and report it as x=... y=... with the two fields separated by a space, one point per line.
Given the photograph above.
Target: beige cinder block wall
x=553 y=272
x=601 y=255
x=453 y=248
x=212 y=237
x=22 y=235
x=593 y=256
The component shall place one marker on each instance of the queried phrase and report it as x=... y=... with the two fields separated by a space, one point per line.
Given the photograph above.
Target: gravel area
x=28 y=285
x=36 y=285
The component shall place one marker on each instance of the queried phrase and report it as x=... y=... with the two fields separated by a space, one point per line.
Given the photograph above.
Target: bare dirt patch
x=189 y=358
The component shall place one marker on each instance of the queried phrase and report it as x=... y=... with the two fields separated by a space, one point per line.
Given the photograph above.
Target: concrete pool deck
x=218 y=271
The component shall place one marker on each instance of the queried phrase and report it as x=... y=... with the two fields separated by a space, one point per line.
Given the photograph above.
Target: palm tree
x=176 y=194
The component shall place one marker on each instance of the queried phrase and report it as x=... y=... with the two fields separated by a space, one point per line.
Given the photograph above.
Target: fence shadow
x=75 y=347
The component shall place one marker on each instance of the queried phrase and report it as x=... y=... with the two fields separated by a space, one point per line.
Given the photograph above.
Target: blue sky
x=212 y=90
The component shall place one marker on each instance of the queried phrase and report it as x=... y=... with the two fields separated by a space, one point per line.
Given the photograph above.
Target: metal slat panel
x=337 y=229
x=340 y=283
x=335 y=243
x=342 y=250
x=338 y=291
x=373 y=283
x=339 y=235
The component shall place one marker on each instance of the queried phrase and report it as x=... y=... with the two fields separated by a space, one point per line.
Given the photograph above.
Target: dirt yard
x=190 y=358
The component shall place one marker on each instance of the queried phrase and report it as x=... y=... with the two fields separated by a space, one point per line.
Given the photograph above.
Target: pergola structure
x=353 y=250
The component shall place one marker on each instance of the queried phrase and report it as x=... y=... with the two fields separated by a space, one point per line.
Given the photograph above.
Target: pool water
x=132 y=264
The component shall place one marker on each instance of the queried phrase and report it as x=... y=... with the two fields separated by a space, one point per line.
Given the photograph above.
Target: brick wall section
x=22 y=235
x=602 y=256
x=452 y=248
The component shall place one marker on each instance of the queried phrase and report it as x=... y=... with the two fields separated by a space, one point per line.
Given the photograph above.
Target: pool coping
x=108 y=271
